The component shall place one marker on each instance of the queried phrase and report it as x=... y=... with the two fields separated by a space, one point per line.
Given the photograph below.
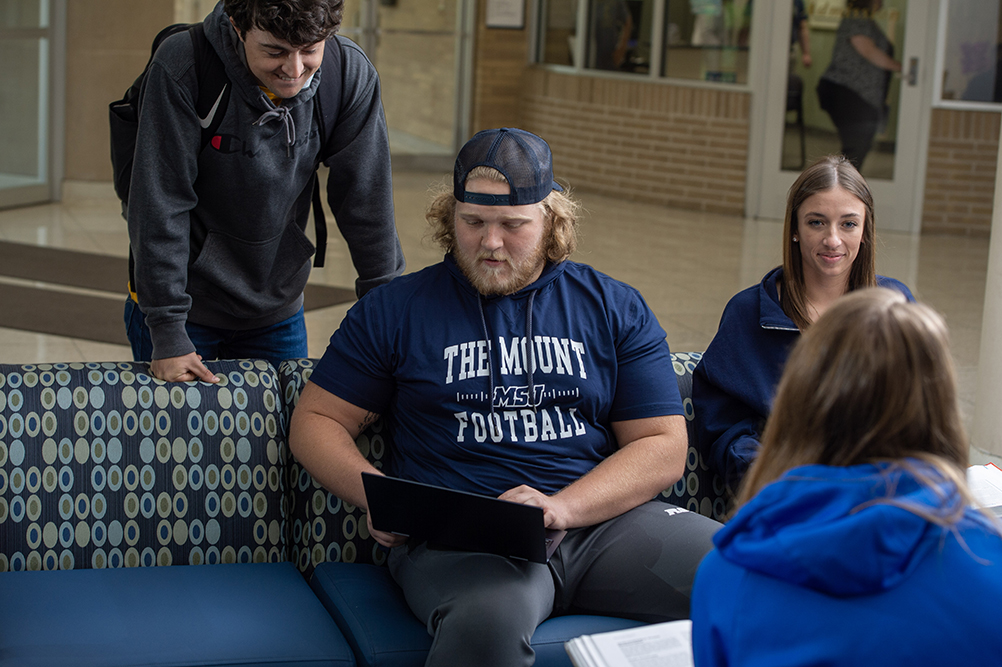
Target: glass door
x=26 y=47
x=420 y=49
x=845 y=77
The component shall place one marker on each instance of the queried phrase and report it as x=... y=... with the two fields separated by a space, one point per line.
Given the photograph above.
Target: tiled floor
x=686 y=264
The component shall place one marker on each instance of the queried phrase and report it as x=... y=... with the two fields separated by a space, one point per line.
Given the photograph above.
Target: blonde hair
x=560 y=211
x=872 y=380
x=831 y=171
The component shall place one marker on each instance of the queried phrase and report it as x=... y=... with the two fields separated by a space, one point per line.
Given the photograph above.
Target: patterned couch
x=106 y=473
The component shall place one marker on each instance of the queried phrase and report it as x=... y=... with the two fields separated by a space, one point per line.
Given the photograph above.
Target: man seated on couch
x=508 y=371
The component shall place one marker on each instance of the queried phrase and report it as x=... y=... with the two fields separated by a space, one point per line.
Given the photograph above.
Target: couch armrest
x=699 y=489
x=322 y=527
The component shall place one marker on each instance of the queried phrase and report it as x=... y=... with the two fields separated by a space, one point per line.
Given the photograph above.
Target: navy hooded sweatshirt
x=735 y=382
x=804 y=574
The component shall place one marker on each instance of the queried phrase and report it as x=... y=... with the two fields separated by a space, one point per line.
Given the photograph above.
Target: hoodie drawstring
x=281 y=113
x=530 y=360
x=490 y=361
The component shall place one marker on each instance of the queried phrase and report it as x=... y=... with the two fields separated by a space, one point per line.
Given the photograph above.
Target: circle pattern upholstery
x=699 y=489
x=323 y=527
x=102 y=465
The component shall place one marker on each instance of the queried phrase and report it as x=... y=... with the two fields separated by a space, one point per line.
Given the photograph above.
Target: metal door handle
x=912 y=78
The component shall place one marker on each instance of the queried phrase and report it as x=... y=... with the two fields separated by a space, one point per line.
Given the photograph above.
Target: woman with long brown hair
x=855 y=541
x=828 y=250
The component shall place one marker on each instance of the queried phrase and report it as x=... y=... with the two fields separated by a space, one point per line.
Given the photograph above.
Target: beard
x=501 y=280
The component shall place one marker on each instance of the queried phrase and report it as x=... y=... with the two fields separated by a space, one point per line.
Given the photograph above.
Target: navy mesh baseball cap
x=522 y=158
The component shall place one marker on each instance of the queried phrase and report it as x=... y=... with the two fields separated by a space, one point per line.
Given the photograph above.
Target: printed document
x=658 y=645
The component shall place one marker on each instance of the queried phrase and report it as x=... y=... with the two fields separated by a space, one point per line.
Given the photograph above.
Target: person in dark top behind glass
x=854 y=88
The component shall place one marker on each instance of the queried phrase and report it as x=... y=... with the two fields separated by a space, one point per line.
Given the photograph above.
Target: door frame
x=54 y=106
x=899 y=201
x=368 y=36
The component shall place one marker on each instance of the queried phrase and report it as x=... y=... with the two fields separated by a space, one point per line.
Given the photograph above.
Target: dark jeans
x=284 y=340
x=855 y=119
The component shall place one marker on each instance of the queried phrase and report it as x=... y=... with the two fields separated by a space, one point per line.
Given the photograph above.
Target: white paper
x=985 y=483
x=658 y=645
x=505 y=14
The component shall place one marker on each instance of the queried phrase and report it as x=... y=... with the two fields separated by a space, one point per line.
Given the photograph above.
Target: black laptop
x=459 y=519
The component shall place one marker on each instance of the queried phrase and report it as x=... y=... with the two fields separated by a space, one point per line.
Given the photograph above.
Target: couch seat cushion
x=236 y=614
x=371 y=611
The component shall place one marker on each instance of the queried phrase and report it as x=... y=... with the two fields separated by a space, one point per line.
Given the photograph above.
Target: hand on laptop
x=386 y=539
x=555 y=513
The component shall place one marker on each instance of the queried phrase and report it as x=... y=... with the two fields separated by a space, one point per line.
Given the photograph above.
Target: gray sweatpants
x=482 y=609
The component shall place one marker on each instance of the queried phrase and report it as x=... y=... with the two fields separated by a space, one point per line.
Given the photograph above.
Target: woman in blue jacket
x=856 y=541
x=828 y=250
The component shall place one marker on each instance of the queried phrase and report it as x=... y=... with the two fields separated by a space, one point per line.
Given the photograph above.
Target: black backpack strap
x=326 y=106
x=124 y=119
x=319 y=223
x=327 y=103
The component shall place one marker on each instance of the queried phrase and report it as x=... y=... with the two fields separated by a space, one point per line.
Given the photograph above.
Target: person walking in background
x=853 y=90
x=612 y=25
x=855 y=541
x=800 y=33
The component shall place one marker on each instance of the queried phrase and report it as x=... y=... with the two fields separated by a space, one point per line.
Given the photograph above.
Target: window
x=558 y=20
x=972 y=51
x=705 y=40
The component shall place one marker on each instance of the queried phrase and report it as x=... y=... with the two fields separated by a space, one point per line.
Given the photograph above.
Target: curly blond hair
x=560 y=210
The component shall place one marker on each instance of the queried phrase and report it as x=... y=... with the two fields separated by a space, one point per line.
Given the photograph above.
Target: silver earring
x=795 y=239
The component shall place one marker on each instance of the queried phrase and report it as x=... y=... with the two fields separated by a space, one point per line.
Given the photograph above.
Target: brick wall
x=654 y=142
x=960 y=173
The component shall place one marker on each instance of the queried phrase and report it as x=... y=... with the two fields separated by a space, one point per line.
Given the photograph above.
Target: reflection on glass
x=619 y=35
x=23 y=137
x=973 y=52
x=416 y=59
x=844 y=96
x=707 y=40
x=24 y=14
x=559 y=33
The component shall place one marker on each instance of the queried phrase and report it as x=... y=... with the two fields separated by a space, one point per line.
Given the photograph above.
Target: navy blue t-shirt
x=460 y=405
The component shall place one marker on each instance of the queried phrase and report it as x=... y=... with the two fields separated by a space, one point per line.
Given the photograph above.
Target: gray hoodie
x=219 y=237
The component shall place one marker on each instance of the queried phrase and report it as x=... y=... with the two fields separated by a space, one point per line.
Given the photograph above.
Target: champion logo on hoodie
x=228 y=143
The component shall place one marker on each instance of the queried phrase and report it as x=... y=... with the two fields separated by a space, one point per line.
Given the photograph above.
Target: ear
x=237 y=30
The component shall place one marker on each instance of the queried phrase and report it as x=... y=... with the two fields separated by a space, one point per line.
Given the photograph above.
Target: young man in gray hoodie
x=218 y=233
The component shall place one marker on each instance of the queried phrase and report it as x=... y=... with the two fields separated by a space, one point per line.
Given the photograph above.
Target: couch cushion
x=101 y=465
x=370 y=610
x=242 y=614
x=550 y=636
